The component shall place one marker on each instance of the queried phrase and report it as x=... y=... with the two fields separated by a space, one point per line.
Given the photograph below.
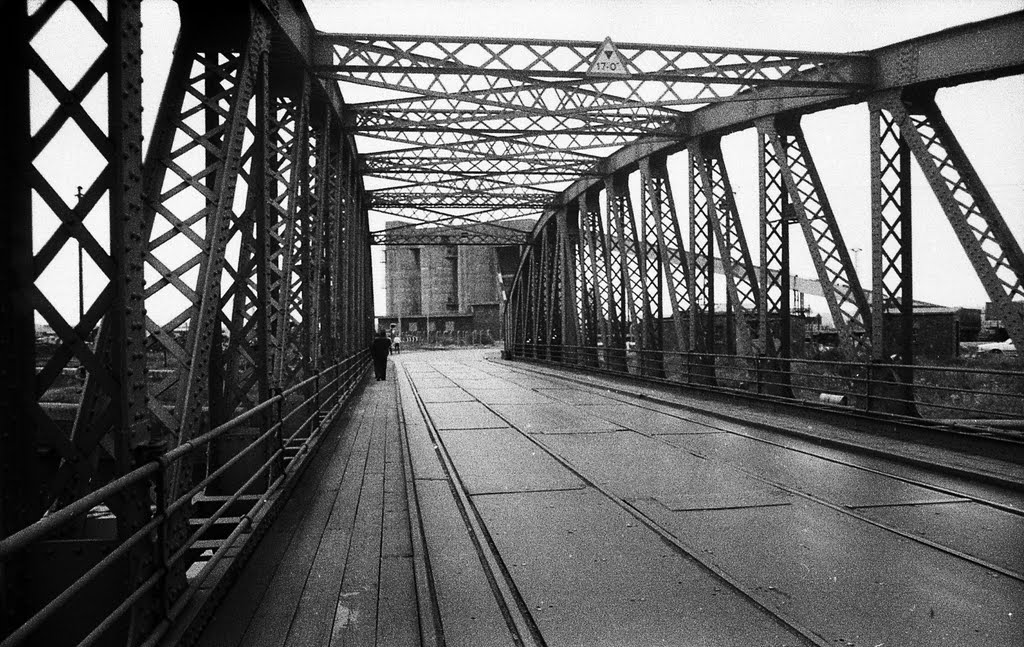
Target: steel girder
x=459 y=229
x=660 y=212
x=622 y=232
x=776 y=215
x=892 y=295
x=650 y=259
x=528 y=110
x=791 y=193
x=891 y=252
x=22 y=501
x=983 y=50
x=567 y=245
x=209 y=91
x=990 y=245
x=720 y=206
x=702 y=255
x=530 y=202
x=233 y=236
x=846 y=300
x=550 y=278
x=774 y=315
x=448 y=236
x=591 y=281
x=109 y=427
x=535 y=296
x=112 y=424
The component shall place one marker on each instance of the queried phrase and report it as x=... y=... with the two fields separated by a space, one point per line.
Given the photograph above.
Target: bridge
x=195 y=453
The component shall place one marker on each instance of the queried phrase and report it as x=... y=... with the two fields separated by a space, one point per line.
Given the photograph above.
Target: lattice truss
x=503 y=124
x=846 y=300
x=223 y=267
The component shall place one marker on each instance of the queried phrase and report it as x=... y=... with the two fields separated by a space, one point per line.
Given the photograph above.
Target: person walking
x=396 y=344
x=380 y=348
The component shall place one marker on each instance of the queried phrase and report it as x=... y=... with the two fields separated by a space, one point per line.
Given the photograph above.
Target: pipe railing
x=919 y=391
x=313 y=405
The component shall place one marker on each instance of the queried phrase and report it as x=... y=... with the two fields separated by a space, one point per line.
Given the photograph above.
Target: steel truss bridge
x=235 y=305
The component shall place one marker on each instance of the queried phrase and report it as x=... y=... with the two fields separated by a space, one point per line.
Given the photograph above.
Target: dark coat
x=380 y=348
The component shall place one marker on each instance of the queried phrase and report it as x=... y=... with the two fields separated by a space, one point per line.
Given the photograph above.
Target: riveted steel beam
x=741 y=281
x=650 y=244
x=991 y=247
x=702 y=256
x=567 y=244
x=589 y=301
x=660 y=208
x=846 y=300
x=892 y=296
x=776 y=215
x=985 y=49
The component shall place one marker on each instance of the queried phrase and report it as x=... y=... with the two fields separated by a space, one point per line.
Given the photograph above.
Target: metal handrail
x=344 y=376
x=871 y=382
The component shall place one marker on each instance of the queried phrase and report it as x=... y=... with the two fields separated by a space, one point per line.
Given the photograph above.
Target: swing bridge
x=219 y=355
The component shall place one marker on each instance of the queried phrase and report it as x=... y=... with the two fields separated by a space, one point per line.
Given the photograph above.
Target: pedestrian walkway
x=336 y=568
x=471 y=502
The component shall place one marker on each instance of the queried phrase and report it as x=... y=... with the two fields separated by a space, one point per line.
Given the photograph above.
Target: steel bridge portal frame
x=238 y=250
x=904 y=123
x=235 y=257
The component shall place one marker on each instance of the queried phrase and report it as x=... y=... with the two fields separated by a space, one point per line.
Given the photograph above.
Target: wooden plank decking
x=336 y=568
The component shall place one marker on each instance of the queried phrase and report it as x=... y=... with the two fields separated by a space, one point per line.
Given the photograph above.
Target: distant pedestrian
x=380 y=348
x=396 y=344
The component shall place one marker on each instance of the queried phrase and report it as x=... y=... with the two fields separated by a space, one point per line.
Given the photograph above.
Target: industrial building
x=446 y=288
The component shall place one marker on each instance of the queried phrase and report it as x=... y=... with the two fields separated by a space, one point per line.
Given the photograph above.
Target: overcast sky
x=985 y=116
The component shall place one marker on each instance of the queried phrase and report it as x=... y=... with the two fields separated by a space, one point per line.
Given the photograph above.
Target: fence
x=993 y=394
x=166 y=556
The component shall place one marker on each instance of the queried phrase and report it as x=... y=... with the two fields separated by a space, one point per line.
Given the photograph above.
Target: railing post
x=278 y=408
x=163 y=550
x=757 y=372
x=316 y=398
x=869 y=387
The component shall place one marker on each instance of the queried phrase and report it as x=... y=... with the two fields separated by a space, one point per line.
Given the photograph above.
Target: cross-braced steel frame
x=233 y=261
x=649 y=285
x=532 y=116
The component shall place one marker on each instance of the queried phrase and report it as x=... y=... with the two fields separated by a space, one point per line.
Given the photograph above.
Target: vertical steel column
x=347 y=267
x=535 y=294
x=892 y=307
x=127 y=318
x=775 y=218
x=365 y=272
x=623 y=236
x=260 y=187
x=548 y=283
x=659 y=200
x=287 y=175
x=701 y=364
x=618 y=304
x=651 y=257
x=328 y=253
x=702 y=255
x=21 y=497
x=315 y=206
x=740 y=279
x=592 y=280
x=237 y=71
x=111 y=417
x=840 y=286
x=991 y=247
x=571 y=312
x=335 y=214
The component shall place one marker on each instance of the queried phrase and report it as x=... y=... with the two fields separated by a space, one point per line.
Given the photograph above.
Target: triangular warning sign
x=608 y=61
